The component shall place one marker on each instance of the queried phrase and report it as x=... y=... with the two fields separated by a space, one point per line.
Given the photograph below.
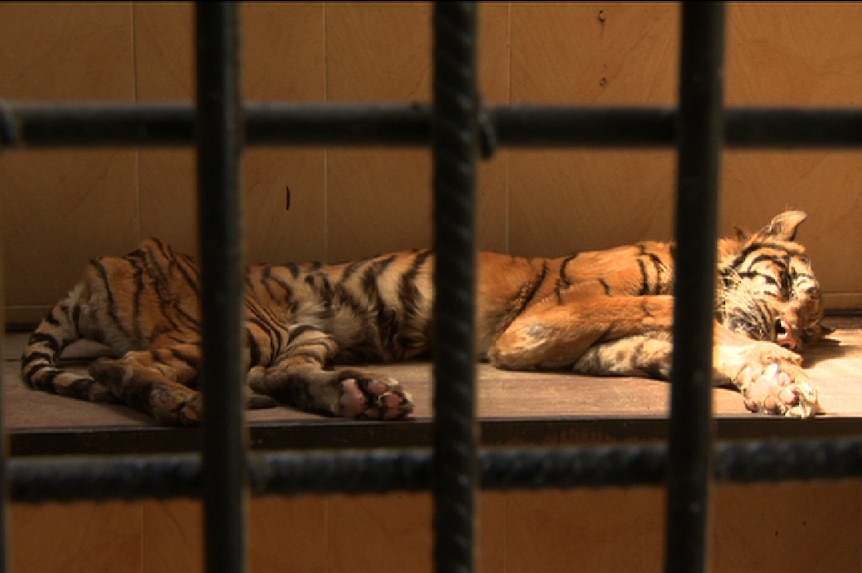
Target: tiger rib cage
x=221 y=123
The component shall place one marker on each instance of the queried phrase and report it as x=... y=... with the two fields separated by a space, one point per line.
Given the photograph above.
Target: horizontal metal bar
x=101 y=478
x=69 y=479
x=526 y=125
x=535 y=126
x=395 y=124
x=786 y=128
x=160 y=124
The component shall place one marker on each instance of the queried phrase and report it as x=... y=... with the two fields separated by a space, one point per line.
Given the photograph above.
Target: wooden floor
x=504 y=397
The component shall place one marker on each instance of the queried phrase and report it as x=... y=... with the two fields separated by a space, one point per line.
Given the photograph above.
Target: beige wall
x=61 y=207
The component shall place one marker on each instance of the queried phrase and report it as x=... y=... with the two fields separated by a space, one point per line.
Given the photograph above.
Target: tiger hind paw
x=373 y=397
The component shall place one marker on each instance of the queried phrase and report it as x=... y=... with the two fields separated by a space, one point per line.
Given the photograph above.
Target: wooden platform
x=514 y=408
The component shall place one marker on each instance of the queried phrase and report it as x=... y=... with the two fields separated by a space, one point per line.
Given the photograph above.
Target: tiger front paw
x=779 y=389
x=372 y=396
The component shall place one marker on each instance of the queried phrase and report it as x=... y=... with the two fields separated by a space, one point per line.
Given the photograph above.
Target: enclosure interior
x=61 y=207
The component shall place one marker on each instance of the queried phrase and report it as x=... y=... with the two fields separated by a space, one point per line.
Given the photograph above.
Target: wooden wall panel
x=600 y=531
x=494 y=88
x=319 y=534
x=591 y=53
x=284 y=534
x=61 y=207
x=609 y=53
x=780 y=528
x=380 y=199
x=377 y=199
x=288 y=534
x=787 y=527
x=172 y=538
x=800 y=54
x=402 y=524
x=75 y=538
x=282 y=60
x=164 y=69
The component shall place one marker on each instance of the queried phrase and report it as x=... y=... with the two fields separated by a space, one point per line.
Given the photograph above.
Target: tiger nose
x=784 y=336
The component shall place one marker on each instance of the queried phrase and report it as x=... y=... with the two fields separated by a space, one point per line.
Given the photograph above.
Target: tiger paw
x=778 y=389
x=100 y=393
x=176 y=405
x=372 y=396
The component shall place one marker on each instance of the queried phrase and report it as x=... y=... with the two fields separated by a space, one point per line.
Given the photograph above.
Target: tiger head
x=766 y=285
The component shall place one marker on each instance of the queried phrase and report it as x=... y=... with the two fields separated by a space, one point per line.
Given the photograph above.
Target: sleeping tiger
x=603 y=313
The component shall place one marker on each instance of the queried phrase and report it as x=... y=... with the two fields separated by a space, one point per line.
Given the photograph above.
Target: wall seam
x=136 y=164
x=326 y=255
x=508 y=204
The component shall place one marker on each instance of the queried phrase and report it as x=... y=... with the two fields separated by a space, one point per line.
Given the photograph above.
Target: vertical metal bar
x=691 y=425
x=219 y=132
x=455 y=146
x=4 y=452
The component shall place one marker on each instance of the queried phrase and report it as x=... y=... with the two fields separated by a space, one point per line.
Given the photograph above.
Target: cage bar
x=71 y=478
x=4 y=485
x=62 y=124
x=219 y=129
x=454 y=152
x=698 y=161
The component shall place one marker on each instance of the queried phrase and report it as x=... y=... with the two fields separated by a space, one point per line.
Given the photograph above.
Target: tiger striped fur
x=603 y=312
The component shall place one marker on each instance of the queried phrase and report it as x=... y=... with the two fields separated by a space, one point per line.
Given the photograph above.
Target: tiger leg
x=49 y=378
x=298 y=377
x=555 y=335
x=156 y=382
x=768 y=376
x=648 y=355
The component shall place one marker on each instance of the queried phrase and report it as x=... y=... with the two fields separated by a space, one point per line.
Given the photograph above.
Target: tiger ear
x=783 y=227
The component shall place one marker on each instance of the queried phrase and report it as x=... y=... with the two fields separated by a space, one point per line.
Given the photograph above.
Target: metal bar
x=698 y=160
x=159 y=124
x=4 y=450
x=792 y=128
x=219 y=129
x=36 y=479
x=173 y=124
x=528 y=125
x=455 y=145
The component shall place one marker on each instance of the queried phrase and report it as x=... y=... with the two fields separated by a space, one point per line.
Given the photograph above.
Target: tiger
x=306 y=326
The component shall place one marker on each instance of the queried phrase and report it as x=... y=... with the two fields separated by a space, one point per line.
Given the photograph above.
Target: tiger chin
x=602 y=313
